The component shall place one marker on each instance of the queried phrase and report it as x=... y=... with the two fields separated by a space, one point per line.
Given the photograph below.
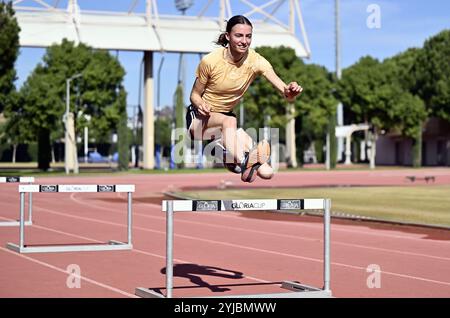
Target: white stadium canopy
x=42 y=27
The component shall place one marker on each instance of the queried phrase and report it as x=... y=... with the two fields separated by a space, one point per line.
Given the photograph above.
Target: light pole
x=340 y=107
x=68 y=121
x=182 y=6
x=86 y=137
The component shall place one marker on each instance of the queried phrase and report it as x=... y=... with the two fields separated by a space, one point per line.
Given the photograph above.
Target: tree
x=103 y=97
x=16 y=129
x=122 y=129
x=363 y=93
x=9 y=50
x=432 y=71
x=179 y=106
x=98 y=93
x=318 y=109
x=408 y=110
x=262 y=99
x=163 y=131
x=163 y=127
x=40 y=101
x=358 y=90
x=179 y=119
x=378 y=94
x=312 y=108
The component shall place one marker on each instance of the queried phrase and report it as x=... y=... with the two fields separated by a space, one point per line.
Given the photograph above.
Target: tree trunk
x=318 y=148
x=123 y=142
x=14 y=153
x=417 y=149
x=53 y=154
x=299 y=142
x=44 y=149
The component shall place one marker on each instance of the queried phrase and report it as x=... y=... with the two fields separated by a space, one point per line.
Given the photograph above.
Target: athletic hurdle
x=53 y=188
x=29 y=180
x=297 y=290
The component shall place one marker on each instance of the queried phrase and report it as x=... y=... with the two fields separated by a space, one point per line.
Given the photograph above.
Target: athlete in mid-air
x=222 y=78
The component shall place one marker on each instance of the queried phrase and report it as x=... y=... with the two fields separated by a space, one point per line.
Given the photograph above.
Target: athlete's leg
x=265 y=171
x=228 y=127
x=246 y=140
x=238 y=143
x=239 y=146
x=197 y=126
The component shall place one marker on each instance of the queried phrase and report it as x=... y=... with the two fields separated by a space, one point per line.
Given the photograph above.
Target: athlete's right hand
x=204 y=109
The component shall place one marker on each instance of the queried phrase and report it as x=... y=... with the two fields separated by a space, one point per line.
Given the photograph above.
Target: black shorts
x=192 y=112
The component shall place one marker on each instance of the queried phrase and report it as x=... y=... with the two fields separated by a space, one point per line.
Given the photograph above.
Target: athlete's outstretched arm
x=290 y=91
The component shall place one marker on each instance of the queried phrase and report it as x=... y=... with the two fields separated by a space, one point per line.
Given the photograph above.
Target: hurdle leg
x=30 y=208
x=17 y=222
x=22 y=212
x=129 y=243
x=129 y=218
x=146 y=292
x=326 y=254
x=169 y=246
x=113 y=245
x=14 y=247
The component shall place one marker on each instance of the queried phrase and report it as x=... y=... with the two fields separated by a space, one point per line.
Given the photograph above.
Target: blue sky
x=404 y=24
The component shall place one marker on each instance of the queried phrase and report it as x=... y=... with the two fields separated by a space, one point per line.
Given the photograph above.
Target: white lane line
x=334 y=242
x=89 y=280
x=133 y=250
x=336 y=228
x=247 y=248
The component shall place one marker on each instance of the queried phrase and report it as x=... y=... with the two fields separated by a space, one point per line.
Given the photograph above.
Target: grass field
x=423 y=204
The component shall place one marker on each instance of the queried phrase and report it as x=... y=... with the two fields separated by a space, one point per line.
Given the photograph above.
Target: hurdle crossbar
x=54 y=188
x=15 y=179
x=296 y=290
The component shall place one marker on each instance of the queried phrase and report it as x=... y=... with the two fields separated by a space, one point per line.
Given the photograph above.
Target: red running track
x=218 y=254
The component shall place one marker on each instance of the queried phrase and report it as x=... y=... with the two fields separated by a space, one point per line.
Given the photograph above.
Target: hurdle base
x=297 y=291
x=147 y=293
x=298 y=287
x=15 y=223
x=110 y=246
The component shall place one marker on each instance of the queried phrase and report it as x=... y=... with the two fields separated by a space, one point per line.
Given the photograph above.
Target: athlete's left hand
x=292 y=90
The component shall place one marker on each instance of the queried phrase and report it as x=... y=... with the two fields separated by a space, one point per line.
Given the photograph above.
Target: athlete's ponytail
x=222 y=40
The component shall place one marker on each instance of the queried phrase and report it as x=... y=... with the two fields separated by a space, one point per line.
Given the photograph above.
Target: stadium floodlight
x=183 y=5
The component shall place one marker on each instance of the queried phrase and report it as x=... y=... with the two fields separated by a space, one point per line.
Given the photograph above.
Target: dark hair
x=237 y=19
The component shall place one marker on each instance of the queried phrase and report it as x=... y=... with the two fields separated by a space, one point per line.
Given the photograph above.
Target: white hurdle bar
x=297 y=290
x=54 y=188
x=29 y=180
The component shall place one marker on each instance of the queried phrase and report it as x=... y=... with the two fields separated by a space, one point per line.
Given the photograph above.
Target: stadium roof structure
x=47 y=24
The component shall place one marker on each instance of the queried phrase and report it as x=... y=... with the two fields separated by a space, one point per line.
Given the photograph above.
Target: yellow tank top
x=226 y=82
